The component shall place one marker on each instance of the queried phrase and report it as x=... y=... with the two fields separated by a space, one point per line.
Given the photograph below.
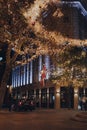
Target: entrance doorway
x=44 y=98
x=82 y=105
x=51 y=97
x=66 y=97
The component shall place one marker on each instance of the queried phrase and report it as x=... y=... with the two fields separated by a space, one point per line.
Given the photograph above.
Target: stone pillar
x=39 y=97
x=47 y=97
x=76 y=98
x=57 y=97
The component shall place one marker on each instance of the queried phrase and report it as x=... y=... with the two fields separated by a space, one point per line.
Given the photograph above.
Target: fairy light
x=33 y=18
x=36 y=9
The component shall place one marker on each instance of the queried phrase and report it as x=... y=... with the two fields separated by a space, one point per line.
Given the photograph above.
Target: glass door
x=67 y=97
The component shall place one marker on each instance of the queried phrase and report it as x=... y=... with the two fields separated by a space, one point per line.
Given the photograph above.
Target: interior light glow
x=1 y=58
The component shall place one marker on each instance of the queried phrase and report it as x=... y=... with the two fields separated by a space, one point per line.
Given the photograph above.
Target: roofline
x=75 y=4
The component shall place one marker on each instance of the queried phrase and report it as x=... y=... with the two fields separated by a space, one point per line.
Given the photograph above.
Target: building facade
x=33 y=79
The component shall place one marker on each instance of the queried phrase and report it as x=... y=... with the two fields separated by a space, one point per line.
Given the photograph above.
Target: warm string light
x=46 y=40
x=37 y=26
x=43 y=50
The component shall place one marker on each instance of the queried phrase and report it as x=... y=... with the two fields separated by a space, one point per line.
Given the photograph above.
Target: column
x=57 y=97
x=76 y=97
x=47 y=97
x=23 y=78
x=39 y=67
x=39 y=97
x=13 y=75
x=47 y=64
x=27 y=82
x=24 y=82
x=18 y=76
x=31 y=72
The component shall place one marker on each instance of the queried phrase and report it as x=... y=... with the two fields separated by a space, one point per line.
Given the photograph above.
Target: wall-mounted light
x=76 y=91
x=58 y=91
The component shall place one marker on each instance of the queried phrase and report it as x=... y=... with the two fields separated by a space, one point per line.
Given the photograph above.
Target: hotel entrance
x=47 y=97
x=51 y=97
x=67 y=97
x=82 y=105
x=44 y=98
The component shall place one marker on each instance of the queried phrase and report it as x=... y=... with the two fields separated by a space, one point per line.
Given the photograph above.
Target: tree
x=26 y=30
x=71 y=67
x=13 y=29
x=18 y=37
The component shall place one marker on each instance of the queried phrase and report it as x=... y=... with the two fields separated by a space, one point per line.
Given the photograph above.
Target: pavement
x=43 y=119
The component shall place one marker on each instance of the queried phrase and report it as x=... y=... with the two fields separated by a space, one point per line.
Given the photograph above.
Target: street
x=41 y=119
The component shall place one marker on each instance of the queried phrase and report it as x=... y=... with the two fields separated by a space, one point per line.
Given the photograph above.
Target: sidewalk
x=80 y=116
x=41 y=119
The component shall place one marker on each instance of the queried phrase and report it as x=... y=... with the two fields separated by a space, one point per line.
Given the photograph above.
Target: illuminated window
x=13 y=77
x=27 y=73
x=47 y=64
x=40 y=67
x=31 y=72
x=18 y=75
x=24 y=75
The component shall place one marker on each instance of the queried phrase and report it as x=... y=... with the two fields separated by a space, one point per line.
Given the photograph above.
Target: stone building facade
x=26 y=79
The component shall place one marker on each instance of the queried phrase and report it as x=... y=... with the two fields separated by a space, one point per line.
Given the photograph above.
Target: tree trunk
x=4 y=82
x=5 y=78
